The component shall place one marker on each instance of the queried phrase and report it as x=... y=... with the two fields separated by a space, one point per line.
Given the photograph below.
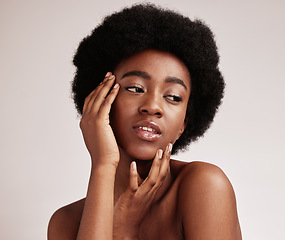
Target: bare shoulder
x=200 y=176
x=64 y=223
x=204 y=173
x=206 y=203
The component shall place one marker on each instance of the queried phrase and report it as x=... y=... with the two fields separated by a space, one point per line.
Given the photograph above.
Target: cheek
x=124 y=105
x=120 y=114
x=178 y=124
x=175 y=131
x=120 y=108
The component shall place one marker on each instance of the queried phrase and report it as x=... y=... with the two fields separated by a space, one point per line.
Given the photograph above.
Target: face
x=150 y=108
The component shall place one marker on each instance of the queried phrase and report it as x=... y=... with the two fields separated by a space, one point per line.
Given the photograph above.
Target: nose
x=152 y=105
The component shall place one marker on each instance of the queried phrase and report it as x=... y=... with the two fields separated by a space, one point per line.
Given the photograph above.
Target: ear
x=182 y=128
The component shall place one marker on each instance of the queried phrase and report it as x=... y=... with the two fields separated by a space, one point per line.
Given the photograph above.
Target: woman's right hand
x=95 y=124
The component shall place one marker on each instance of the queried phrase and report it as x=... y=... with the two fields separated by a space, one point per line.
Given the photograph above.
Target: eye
x=174 y=98
x=135 y=89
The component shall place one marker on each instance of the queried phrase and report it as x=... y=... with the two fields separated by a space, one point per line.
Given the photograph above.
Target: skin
x=135 y=191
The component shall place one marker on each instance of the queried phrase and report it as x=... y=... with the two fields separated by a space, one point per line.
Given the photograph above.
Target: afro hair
x=147 y=26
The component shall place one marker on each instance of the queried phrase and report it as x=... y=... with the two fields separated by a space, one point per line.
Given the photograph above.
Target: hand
x=95 y=124
x=132 y=207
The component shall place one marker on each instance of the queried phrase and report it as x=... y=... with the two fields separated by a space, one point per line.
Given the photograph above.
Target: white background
x=44 y=163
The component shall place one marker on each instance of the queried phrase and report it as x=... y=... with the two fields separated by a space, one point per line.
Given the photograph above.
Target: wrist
x=107 y=166
x=103 y=169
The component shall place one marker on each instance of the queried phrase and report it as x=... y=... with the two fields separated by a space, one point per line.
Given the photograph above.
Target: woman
x=161 y=90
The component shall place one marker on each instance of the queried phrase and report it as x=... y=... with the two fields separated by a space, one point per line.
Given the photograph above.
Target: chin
x=141 y=152
x=146 y=155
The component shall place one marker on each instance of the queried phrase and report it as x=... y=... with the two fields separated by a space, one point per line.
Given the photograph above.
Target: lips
x=148 y=131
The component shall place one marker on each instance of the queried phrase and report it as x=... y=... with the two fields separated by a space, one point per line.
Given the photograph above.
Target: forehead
x=157 y=63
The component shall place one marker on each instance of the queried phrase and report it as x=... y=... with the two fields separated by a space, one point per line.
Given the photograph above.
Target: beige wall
x=44 y=163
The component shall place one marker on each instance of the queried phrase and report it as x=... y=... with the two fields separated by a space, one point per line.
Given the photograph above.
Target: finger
x=86 y=106
x=100 y=97
x=107 y=103
x=108 y=74
x=162 y=171
x=165 y=162
x=151 y=180
x=90 y=98
x=97 y=91
x=133 y=185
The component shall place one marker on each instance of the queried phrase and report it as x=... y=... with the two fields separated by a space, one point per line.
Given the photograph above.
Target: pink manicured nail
x=134 y=167
x=108 y=74
x=169 y=147
x=111 y=77
x=159 y=153
x=116 y=85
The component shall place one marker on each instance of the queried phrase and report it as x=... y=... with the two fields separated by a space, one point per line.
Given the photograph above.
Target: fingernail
x=111 y=77
x=108 y=74
x=159 y=153
x=116 y=85
x=134 y=165
x=169 y=147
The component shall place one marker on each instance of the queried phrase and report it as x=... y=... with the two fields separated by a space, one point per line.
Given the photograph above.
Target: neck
x=143 y=168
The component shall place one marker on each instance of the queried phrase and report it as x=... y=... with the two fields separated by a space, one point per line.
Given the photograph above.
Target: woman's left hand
x=133 y=205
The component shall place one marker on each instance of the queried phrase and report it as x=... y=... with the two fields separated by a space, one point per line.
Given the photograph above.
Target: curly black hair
x=147 y=26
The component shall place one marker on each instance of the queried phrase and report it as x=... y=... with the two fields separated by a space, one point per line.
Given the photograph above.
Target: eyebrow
x=141 y=74
x=175 y=80
x=145 y=75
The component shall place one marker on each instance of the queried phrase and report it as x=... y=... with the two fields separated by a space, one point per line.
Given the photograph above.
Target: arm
x=207 y=204
x=97 y=217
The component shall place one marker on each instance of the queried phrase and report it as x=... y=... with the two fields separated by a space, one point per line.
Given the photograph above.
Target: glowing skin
x=149 y=110
x=135 y=190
